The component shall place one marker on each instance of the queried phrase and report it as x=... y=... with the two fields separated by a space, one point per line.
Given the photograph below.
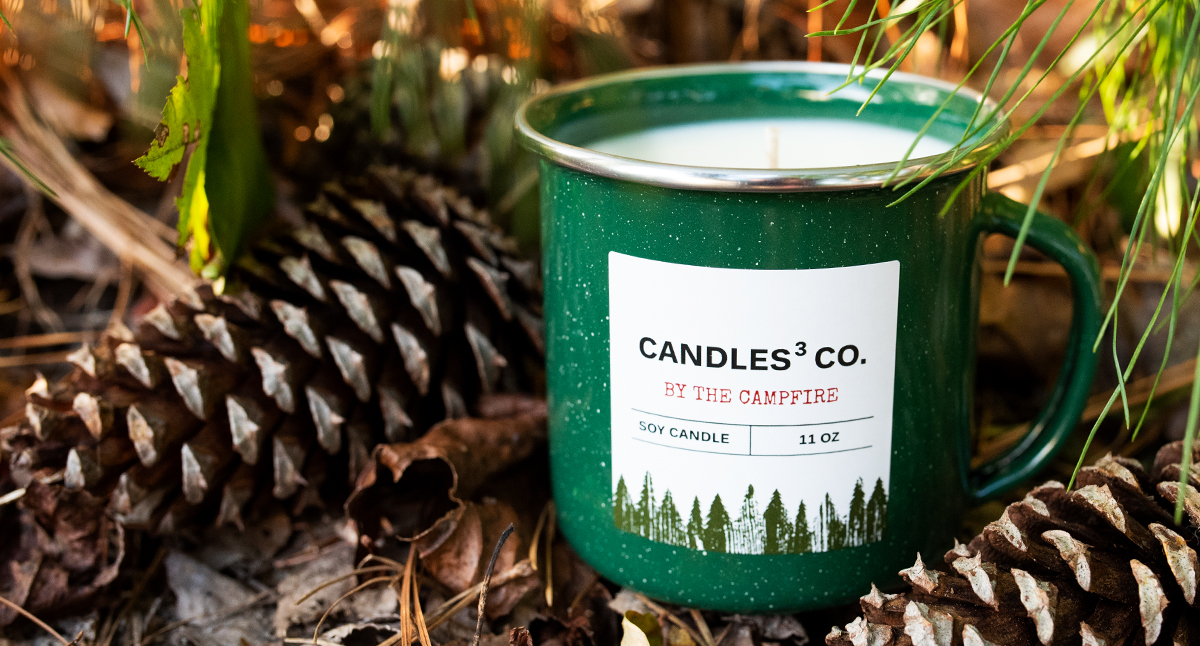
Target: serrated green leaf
x=209 y=119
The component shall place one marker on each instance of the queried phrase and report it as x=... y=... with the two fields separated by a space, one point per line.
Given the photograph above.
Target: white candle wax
x=772 y=143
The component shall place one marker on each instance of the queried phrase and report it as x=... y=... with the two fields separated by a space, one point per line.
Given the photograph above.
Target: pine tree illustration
x=776 y=526
x=643 y=522
x=622 y=507
x=717 y=531
x=876 y=513
x=670 y=522
x=695 y=526
x=832 y=526
x=802 y=537
x=856 y=526
x=748 y=529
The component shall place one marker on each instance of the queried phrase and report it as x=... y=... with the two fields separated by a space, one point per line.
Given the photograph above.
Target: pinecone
x=1102 y=565
x=395 y=304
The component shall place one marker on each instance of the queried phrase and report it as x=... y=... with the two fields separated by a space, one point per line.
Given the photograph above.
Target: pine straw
x=41 y=624
x=37 y=155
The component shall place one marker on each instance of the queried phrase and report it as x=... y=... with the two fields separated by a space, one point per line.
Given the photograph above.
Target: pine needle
x=352 y=574
x=41 y=624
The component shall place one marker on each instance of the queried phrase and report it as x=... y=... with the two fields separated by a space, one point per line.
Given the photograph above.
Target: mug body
x=760 y=387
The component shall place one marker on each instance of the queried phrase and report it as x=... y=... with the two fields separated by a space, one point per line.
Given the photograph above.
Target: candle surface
x=771 y=143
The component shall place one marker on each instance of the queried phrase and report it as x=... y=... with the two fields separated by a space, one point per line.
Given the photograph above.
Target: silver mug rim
x=741 y=179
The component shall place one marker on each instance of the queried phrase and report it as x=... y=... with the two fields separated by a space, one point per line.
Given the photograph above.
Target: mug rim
x=705 y=178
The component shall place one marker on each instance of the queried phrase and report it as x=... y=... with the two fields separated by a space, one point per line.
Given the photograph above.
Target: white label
x=752 y=409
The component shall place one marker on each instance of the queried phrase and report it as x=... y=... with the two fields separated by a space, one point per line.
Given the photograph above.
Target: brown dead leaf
x=46 y=574
x=431 y=478
x=456 y=560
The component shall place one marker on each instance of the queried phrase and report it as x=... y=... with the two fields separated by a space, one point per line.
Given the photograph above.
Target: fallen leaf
x=431 y=478
x=334 y=561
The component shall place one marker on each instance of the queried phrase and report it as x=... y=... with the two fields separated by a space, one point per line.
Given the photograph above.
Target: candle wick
x=772 y=147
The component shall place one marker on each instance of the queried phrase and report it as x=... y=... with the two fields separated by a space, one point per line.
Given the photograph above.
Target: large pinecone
x=1101 y=565
x=394 y=305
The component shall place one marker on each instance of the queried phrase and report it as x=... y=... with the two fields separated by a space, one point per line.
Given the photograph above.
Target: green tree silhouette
x=776 y=526
x=670 y=525
x=856 y=531
x=876 y=514
x=832 y=526
x=748 y=529
x=802 y=536
x=643 y=522
x=695 y=526
x=716 y=532
x=622 y=507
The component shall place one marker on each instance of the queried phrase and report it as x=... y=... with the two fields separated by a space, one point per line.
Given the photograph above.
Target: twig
x=702 y=626
x=487 y=578
x=663 y=612
x=15 y=494
x=15 y=305
x=38 y=340
x=30 y=226
x=33 y=359
x=124 y=290
x=28 y=615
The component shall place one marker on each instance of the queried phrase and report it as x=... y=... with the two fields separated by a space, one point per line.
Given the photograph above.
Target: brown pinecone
x=395 y=305
x=1101 y=565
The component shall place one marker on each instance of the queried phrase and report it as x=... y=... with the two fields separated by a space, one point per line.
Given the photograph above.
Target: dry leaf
x=431 y=478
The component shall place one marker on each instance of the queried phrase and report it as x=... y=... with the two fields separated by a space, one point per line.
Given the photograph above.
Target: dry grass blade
x=419 y=616
x=301 y=640
x=459 y=601
x=406 y=626
x=365 y=584
x=487 y=578
x=135 y=238
x=39 y=340
x=33 y=359
x=41 y=624
x=326 y=584
x=583 y=591
x=537 y=535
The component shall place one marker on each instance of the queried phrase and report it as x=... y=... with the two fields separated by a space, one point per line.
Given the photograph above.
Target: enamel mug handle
x=999 y=214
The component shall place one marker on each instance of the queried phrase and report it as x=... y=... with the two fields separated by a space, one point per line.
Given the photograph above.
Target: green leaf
x=210 y=118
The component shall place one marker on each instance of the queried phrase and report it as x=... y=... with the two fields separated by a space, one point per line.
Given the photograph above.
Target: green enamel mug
x=760 y=363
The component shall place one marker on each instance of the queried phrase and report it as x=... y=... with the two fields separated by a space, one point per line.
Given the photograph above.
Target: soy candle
x=759 y=361
x=772 y=143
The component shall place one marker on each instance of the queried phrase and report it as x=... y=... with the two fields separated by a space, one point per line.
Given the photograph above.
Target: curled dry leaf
x=417 y=491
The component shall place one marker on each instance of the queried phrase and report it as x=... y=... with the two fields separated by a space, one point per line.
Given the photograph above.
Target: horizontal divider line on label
x=700 y=421
x=751 y=455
